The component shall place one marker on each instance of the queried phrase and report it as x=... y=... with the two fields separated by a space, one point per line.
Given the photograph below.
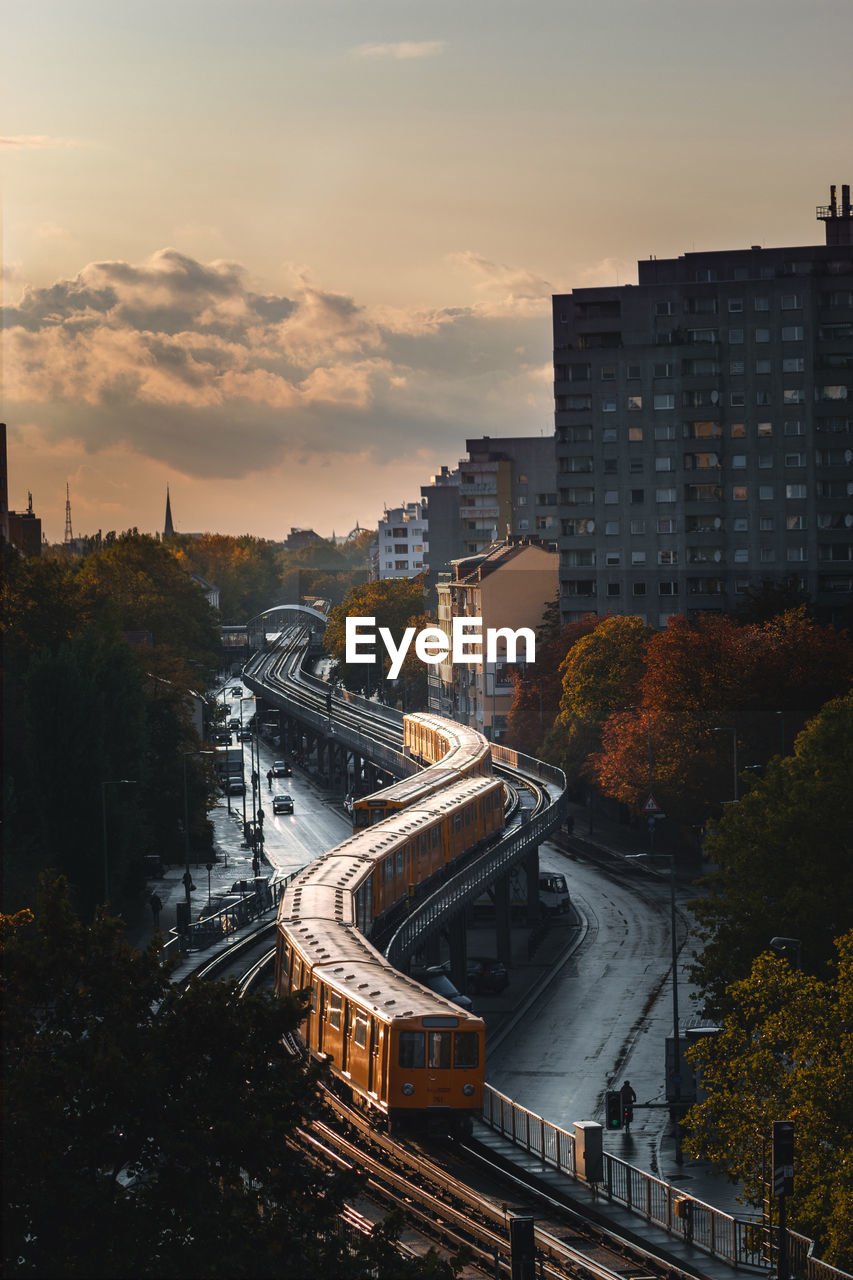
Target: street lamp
x=187 y=877
x=733 y=731
x=118 y=782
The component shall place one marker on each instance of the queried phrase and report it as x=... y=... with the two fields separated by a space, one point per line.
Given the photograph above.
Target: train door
x=374 y=1078
x=318 y=1002
x=345 y=1038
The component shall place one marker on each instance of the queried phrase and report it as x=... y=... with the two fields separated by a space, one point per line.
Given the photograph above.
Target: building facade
x=508 y=585
x=402 y=541
x=704 y=431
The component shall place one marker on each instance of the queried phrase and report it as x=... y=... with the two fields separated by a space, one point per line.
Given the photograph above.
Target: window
x=737 y=399
x=613 y=589
x=667 y=524
x=796 y=522
x=612 y=559
x=667 y=588
x=831 y=393
x=792 y=333
x=638 y=557
x=665 y=495
x=699 y=397
x=794 y=395
x=635 y=402
x=739 y=492
x=761 y=304
x=668 y=557
x=764 y=366
x=739 y=461
x=736 y=337
x=633 y=371
x=664 y=464
x=795 y=459
x=575 y=372
x=796 y=553
x=611 y=497
x=791 y=301
x=638 y=589
x=702 y=430
x=765 y=461
x=635 y=434
x=738 y=430
x=765 y=492
x=664 y=401
x=546 y=499
x=611 y=528
x=521 y=499
x=701 y=461
x=361 y=1023
x=737 y=366
x=702 y=335
x=577 y=463
x=578 y=559
x=635 y=466
x=794 y=364
x=577 y=528
x=663 y=369
x=608 y=373
x=609 y=435
x=611 y=466
x=608 y=404
x=761 y=335
x=665 y=432
x=766 y=524
x=740 y=525
x=765 y=429
x=412 y=1048
x=663 y=308
x=333 y=1010
x=638 y=526
x=735 y=304
x=766 y=554
x=574 y=404
x=637 y=495
x=793 y=427
x=795 y=491
x=574 y=435
x=440 y=1047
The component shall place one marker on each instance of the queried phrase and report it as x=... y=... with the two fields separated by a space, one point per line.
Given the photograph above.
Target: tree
x=599 y=675
x=396 y=604
x=785 y=859
x=246 y=570
x=785 y=1052
x=538 y=686
x=151 y=1132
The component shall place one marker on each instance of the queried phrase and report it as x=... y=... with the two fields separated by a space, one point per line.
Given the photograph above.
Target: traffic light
x=613 y=1109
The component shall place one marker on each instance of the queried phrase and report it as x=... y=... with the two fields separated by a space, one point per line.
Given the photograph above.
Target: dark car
x=281 y=769
x=282 y=804
x=236 y=692
x=245 y=735
x=235 y=787
x=233 y=723
x=222 y=738
x=485 y=976
x=437 y=980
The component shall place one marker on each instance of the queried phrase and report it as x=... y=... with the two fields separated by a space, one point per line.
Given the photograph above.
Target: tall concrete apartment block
x=704 y=430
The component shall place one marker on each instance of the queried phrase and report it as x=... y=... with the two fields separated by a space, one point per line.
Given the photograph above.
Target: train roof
x=355 y=969
x=408 y=790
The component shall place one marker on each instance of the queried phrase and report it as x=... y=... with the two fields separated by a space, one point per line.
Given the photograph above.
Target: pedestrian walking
x=269 y=779
x=156 y=908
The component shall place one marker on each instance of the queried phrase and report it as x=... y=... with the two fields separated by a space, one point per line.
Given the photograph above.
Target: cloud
x=404 y=49
x=35 y=142
x=184 y=363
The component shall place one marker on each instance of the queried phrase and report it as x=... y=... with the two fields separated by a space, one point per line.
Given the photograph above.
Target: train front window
x=440 y=1045
x=412 y=1049
x=466 y=1049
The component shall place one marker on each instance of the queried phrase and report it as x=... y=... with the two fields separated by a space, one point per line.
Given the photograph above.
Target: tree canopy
x=395 y=603
x=151 y=1132
x=784 y=858
x=785 y=1052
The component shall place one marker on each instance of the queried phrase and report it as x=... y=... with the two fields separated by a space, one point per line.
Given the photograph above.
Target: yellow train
x=405 y=1053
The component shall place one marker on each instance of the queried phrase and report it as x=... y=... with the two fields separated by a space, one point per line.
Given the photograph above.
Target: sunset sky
x=286 y=255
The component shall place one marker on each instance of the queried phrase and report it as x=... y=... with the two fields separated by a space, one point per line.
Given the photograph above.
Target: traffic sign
x=651 y=805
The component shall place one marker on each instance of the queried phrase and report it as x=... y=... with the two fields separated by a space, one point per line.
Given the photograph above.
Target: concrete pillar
x=503 y=925
x=458 y=939
x=531 y=880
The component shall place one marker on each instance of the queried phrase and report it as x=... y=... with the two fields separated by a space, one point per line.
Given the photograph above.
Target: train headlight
x=467 y=1089
x=408 y=1090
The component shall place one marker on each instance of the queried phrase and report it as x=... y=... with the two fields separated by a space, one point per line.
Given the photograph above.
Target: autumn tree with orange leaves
x=705 y=681
x=539 y=685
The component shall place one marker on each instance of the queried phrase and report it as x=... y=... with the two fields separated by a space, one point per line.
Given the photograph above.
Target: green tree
x=784 y=859
x=599 y=676
x=151 y=1132
x=246 y=570
x=539 y=687
x=785 y=1052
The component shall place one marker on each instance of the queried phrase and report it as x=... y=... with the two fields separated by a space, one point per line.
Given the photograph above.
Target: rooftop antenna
x=69 y=536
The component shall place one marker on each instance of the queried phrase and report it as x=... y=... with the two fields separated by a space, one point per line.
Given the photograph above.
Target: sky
x=286 y=256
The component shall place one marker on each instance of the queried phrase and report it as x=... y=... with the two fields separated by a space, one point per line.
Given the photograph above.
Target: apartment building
x=507 y=585
x=402 y=540
x=704 y=430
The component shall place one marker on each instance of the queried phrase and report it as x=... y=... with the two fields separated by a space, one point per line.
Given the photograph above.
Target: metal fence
x=204 y=933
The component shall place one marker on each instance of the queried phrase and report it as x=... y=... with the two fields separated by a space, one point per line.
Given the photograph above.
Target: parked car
x=282 y=804
x=484 y=976
x=437 y=980
x=222 y=738
x=281 y=769
x=235 y=787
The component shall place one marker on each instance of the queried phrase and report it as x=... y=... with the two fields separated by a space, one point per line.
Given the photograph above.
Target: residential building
x=402 y=539
x=506 y=586
x=704 y=430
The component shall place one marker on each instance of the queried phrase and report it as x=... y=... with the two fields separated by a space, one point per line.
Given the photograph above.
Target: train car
x=405 y=1054
x=449 y=751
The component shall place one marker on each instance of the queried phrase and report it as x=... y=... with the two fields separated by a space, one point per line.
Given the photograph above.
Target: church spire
x=168 y=528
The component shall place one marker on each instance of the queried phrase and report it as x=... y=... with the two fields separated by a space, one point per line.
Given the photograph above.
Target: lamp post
x=733 y=731
x=676 y=1036
x=187 y=876
x=118 y=782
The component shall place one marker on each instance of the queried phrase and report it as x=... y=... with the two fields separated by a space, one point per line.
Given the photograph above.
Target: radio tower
x=69 y=536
